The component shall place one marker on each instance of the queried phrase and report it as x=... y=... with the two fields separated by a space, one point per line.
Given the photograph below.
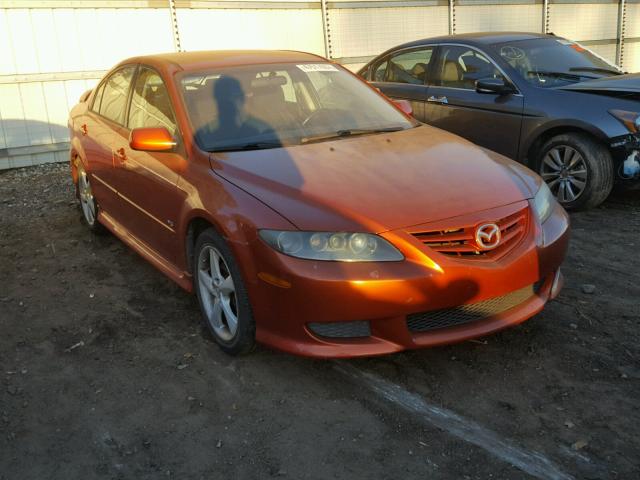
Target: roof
x=223 y=58
x=479 y=38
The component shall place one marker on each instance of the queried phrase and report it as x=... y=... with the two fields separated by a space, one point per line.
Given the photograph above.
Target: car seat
x=451 y=74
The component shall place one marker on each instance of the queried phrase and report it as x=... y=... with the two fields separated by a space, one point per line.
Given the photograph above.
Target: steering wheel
x=511 y=53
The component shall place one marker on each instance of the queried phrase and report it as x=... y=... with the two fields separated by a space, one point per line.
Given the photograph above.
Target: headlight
x=543 y=203
x=338 y=246
x=631 y=120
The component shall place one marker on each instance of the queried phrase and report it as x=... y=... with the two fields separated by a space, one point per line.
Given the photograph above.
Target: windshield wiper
x=573 y=76
x=595 y=70
x=246 y=146
x=349 y=133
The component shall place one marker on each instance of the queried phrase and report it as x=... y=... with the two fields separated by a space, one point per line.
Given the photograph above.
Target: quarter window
x=380 y=72
x=114 y=97
x=150 y=103
x=460 y=67
x=98 y=98
x=410 y=67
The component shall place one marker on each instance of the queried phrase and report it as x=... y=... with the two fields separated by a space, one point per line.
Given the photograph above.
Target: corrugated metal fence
x=53 y=50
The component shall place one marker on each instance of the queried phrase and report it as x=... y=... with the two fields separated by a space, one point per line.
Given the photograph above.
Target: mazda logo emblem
x=488 y=236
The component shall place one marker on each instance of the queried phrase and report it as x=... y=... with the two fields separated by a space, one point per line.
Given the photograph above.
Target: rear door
x=404 y=75
x=487 y=119
x=149 y=179
x=101 y=130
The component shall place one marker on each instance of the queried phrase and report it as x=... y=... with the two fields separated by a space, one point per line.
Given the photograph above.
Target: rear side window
x=410 y=67
x=116 y=91
x=150 y=103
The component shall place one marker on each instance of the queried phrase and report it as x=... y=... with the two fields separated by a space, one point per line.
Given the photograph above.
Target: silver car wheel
x=87 y=201
x=565 y=171
x=217 y=292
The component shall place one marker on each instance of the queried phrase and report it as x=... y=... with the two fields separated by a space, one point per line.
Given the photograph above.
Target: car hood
x=378 y=182
x=619 y=83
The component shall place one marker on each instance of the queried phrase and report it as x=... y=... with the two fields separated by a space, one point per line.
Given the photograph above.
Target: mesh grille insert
x=341 y=329
x=450 y=317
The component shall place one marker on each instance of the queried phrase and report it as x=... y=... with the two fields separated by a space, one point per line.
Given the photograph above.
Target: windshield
x=552 y=62
x=266 y=106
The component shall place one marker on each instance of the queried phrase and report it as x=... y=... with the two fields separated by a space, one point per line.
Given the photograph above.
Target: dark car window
x=150 y=103
x=550 y=62
x=460 y=67
x=409 y=67
x=114 y=98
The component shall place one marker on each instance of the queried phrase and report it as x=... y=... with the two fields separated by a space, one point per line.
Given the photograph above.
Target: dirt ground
x=107 y=372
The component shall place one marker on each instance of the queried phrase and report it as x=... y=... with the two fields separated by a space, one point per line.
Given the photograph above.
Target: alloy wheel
x=87 y=201
x=565 y=171
x=218 y=293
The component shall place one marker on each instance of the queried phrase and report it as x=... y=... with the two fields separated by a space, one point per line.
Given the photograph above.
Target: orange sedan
x=306 y=210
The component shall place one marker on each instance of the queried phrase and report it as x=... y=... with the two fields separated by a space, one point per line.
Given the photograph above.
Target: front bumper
x=291 y=295
x=625 y=151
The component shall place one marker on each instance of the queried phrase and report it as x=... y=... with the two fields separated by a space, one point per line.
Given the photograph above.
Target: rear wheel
x=223 y=299
x=578 y=170
x=88 y=203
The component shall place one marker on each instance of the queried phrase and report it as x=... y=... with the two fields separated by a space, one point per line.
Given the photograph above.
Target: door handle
x=121 y=154
x=442 y=99
x=84 y=129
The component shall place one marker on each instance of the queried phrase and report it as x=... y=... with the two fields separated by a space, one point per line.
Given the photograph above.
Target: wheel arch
x=76 y=154
x=541 y=136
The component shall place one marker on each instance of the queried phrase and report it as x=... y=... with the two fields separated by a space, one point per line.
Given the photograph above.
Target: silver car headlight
x=543 y=203
x=336 y=246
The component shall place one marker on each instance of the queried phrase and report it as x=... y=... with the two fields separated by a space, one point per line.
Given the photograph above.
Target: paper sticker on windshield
x=317 y=67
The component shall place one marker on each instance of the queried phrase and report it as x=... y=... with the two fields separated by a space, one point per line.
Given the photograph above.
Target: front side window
x=150 y=103
x=114 y=97
x=552 y=62
x=461 y=67
x=409 y=67
x=265 y=106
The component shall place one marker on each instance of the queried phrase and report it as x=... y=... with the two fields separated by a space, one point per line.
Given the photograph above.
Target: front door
x=487 y=119
x=150 y=179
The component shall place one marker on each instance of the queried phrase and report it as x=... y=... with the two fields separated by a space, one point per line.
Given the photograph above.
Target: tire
x=88 y=204
x=577 y=168
x=222 y=296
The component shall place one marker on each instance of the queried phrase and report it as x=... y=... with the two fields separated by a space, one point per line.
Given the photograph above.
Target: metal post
x=174 y=26
x=622 y=20
x=452 y=17
x=545 y=16
x=326 y=29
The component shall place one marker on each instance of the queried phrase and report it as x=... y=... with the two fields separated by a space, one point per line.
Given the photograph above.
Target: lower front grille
x=341 y=329
x=472 y=312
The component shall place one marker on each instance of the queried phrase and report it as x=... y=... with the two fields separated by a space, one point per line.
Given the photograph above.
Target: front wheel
x=223 y=299
x=578 y=170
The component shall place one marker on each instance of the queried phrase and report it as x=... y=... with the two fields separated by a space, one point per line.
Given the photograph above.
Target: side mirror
x=493 y=85
x=151 y=139
x=405 y=106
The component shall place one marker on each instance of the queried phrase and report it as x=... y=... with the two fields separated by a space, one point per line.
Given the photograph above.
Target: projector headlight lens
x=332 y=246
